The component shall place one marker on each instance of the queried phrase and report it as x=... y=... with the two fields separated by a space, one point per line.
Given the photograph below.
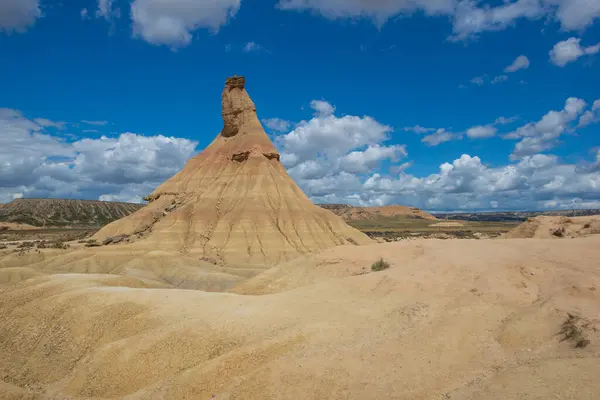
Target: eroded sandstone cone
x=234 y=202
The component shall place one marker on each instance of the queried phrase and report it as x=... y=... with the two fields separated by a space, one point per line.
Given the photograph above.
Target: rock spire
x=234 y=202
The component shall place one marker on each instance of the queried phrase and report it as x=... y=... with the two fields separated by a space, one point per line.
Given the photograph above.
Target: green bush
x=380 y=265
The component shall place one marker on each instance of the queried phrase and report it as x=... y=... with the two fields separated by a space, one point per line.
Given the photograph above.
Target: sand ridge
x=159 y=268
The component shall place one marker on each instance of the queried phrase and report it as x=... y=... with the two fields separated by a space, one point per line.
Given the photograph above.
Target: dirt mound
x=453 y=319
x=234 y=202
x=63 y=213
x=556 y=227
x=349 y=213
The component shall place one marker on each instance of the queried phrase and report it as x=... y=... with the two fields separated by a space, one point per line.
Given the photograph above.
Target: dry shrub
x=380 y=265
x=572 y=330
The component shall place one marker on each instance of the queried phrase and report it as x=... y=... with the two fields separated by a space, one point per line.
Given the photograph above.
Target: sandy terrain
x=157 y=268
x=446 y=321
x=544 y=227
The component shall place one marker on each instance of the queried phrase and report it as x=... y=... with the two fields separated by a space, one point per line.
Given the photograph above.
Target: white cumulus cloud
x=252 y=47
x=590 y=116
x=499 y=79
x=540 y=136
x=504 y=120
x=482 y=131
x=327 y=148
x=97 y=123
x=322 y=108
x=469 y=18
x=521 y=62
x=36 y=163
x=362 y=162
x=478 y=80
x=18 y=15
x=570 y=50
x=535 y=182
x=379 y=11
x=440 y=136
x=332 y=136
x=173 y=23
x=277 y=124
x=418 y=129
x=107 y=10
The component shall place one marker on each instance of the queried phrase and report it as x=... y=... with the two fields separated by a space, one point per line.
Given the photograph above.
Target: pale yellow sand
x=464 y=319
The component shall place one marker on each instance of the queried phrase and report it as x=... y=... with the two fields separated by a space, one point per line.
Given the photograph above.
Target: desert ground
x=450 y=319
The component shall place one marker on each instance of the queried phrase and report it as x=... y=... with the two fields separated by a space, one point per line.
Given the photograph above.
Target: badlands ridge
x=231 y=284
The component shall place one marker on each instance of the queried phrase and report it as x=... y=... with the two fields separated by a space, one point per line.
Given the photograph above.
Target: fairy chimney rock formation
x=234 y=202
x=237 y=107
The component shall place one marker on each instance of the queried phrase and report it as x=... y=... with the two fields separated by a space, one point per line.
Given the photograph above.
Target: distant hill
x=516 y=216
x=350 y=213
x=90 y=213
x=64 y=213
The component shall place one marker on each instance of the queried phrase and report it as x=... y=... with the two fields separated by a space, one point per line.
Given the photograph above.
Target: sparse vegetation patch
x=380 y=265
x=573 y=330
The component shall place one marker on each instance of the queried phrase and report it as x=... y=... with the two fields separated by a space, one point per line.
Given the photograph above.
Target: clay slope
x=556 y=227
x=350 y=213
x=64 y=213
x=469 y=320
x=234 y=202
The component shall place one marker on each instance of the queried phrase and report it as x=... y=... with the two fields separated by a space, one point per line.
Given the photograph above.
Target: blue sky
x=440 y=104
